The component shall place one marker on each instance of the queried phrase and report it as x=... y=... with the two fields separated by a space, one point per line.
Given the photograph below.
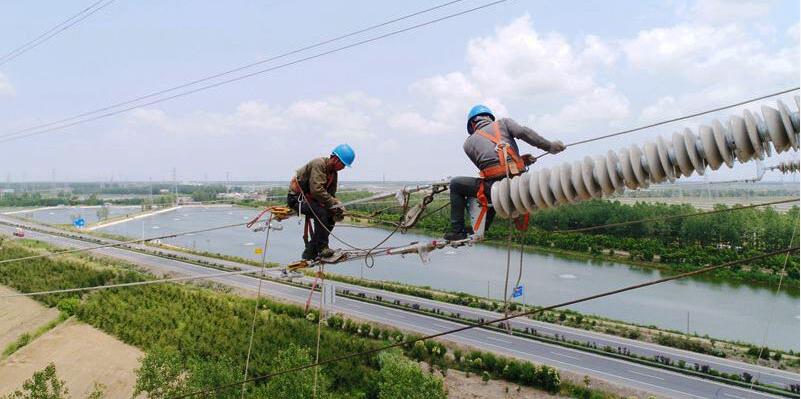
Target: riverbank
x=642 y=244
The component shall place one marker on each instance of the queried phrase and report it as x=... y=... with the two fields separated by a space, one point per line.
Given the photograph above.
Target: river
x=719 y=309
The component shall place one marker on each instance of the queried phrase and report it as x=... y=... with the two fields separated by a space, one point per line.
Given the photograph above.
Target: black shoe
x=309 y=253
x=455 y=236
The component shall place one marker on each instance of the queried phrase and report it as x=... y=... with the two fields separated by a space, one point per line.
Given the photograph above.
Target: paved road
x=766 y=375
x=618 y=372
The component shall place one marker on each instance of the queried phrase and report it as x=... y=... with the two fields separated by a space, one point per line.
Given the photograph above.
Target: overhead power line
x=488 y=322
x=237 y=69
x=680 y=118
x=35 y=130
x=55 y=30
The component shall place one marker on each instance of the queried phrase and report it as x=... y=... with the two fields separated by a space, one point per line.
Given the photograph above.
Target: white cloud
x=710 y=65
x=6 y=88
x=349 y=116
x=597 y=52
x=727 y=11
x=793 y=33
x=518 y=65
x=601 y=107
x=517 y=62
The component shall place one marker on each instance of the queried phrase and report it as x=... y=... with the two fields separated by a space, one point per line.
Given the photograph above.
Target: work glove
x=528 y=159
x=556 y=147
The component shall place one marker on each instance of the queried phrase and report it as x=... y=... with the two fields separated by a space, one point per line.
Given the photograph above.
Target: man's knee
x=463 y=185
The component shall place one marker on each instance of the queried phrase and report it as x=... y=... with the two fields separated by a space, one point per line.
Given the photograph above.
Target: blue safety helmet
x=477 y=110
x=344 y=153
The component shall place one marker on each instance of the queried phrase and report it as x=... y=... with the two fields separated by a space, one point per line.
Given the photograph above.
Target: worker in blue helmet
x=491 y=146
x=312 y=193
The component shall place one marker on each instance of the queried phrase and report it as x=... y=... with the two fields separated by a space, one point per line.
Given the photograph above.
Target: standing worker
x=312 y=193
x=490 y=145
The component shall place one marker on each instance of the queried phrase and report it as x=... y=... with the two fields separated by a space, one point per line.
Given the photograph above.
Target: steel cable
x=234 y=70
x=36 y=132
x=49 y=34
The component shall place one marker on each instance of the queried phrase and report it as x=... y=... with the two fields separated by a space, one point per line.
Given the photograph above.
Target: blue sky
x=570 y=70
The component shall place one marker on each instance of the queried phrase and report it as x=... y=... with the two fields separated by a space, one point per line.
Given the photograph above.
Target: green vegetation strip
x=205 y=329
x=27 y=338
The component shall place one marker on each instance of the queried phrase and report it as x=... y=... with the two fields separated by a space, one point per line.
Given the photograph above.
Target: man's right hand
x=528 y=159
x=556 y=147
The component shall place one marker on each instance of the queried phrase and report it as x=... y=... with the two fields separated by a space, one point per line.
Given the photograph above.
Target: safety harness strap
x=505 y=151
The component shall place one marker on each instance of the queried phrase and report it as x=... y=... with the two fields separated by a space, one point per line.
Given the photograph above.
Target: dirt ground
x=461 y=387
x=21 y=315
x=82 y=354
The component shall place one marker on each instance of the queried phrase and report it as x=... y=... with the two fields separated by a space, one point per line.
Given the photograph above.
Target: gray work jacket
x=481 y=150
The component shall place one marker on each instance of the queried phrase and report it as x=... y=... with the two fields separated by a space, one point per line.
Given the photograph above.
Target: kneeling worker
x=312 y=193
x=491 y=146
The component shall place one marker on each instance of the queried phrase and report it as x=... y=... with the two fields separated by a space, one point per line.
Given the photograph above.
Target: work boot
x=326 y=252
x=309 y=253
x=461 y=235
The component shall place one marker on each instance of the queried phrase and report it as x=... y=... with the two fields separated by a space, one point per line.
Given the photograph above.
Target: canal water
x=66 y=214
x=719 y=309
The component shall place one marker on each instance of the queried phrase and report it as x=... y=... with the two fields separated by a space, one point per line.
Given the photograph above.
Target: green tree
x=164 y=373
x=401 y=378
x=295 y=385
x=161 y=374
x=44 y=384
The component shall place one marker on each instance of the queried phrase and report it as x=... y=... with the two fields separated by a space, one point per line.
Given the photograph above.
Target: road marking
x=645 y=375
x=499 y=340
x=440 y=325
x=398 y=315
x=732 y=396
x=563 y=355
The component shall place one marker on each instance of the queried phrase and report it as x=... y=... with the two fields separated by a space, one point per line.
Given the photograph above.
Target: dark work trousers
x=462 y=188
x=322 y=218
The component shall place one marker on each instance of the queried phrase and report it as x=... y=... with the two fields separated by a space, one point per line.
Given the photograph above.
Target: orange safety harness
x=502 y=169
x=504 y=151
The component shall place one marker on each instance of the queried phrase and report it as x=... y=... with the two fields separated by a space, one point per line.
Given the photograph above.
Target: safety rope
x=321 y=273
x=493 y=321
x=258 y=298
x=509 y=244
x=721 y=108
